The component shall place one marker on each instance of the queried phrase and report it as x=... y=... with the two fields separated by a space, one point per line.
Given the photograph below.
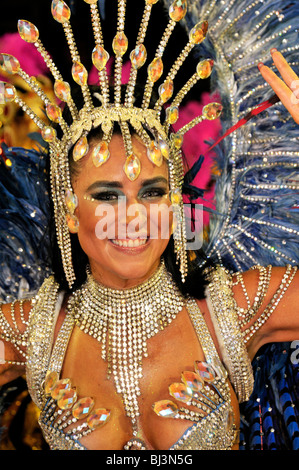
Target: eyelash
x=108 y=196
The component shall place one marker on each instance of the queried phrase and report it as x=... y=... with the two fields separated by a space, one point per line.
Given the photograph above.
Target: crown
x=145 y=121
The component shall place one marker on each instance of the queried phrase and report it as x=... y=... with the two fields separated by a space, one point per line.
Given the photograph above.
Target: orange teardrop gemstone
x=28 y=31
x=132 y=167
x=204 y=68
x=175 y=196
x=192 y=380
x=178 y=10
x=9 y=63
x=81 y=148
x=151 y=2
x=60 y=11
x=62 y=90
x=53 y=112
x=138 y=56
x=100 y=57
x=120 y=44
x=154 y=154
x=83 y=407
x=166 y=91
x=71 y=200
x=100 y=153
x=72 y=223
x=155 y=69
x=165 y=408
x=50 y=382
x=66 y=399
x=205 y=371
x=91 y=2
x=212 y=111
x=8 y=93
x=172 y=114
x=63 y=384
x=198 y=32
x=79 y=73
x=164 y=147
x=48 y=134
x=98 y=418
x=180 y=392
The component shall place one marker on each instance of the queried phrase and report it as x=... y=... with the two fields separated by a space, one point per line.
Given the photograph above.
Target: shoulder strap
x=223 y=310
x=46 y=307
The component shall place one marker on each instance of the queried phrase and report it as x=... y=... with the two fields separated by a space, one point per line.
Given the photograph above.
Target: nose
x=132 y=219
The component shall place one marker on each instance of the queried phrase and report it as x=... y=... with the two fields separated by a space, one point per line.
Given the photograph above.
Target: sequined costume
x=256 y=220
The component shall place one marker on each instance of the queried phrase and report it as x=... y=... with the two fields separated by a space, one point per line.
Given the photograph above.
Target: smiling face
x=124 y=226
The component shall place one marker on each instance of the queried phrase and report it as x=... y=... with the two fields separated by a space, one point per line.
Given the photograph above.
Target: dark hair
x=194 y=284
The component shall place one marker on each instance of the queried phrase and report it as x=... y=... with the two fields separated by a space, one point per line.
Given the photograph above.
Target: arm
x=272 y=294
x=13 y=339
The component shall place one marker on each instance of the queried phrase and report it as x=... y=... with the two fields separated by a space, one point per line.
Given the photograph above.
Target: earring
x=71 y=202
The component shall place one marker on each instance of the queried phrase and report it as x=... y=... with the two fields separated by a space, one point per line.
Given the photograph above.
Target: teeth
x=130 y=243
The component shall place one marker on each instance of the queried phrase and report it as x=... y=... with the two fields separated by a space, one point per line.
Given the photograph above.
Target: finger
x=286 y=71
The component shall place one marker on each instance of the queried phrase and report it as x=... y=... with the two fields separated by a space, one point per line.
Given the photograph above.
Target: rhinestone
x=53 y=112
x=172 y=114
x=28 y=31
x=204 y=68
x=177 y=140
x=175 y=196
x=198 y=32
x=81 y=148
x=205 y=371
x=100 y=57
x=66 y=399
x=165 y=408
x=100 y=153
x=72 y=223
x=166 y=91
x=132 y=167
x=50 y=382
x=98 y=418
x=180 y=392
x=164 y=148
x=151 y=2
x=9 y=93
x=48 y=134
x=154 y=154
x=212 y=111
x=71 y=200
x=155 y=69
x=9 y=63
x=63 y=384
x=79 y=73
x=138 y=56
x=120 y=44
x=62 y=90
x=83 y=407
x=192 y=380
x=178 y=10
x=60 y=11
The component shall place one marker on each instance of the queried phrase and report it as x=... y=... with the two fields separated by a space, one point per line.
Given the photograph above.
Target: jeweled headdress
x=145 y=121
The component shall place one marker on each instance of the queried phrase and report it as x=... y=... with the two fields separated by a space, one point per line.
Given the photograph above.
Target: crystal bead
x=63 y=384
x=28 y=31
x=219 y=368
x=172 y=114
x=175 y=196
x=81 y=148
x=204 y=68
x=72 y=223
x=180 y=392
x=192 y=380
x=205 y=371
x=98 y=418
x=62 y=90
x=9 y=93
x=100 y=153
x=177 y=140
x=66 y=399
x=50 y=382
x=53 y=112
x=155 y=69
x=120 y=44
x=100 y=57
x=151 y=2
x=71 y=201
x=212 y=111
x=165 y=408
x=9 y=63
x=154 y=154
x=132 y=167
x=48 y=134
x=79 y=73
x=178 y=10
x=164 y=148
x=60 y=11
x=82 y=408
x=198 y=32
x=166 y=91
x=138 y=56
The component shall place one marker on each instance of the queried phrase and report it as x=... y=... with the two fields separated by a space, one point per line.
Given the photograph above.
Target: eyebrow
x=117 y=184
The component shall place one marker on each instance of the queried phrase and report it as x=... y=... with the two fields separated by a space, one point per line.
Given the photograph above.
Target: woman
x=130 y=392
